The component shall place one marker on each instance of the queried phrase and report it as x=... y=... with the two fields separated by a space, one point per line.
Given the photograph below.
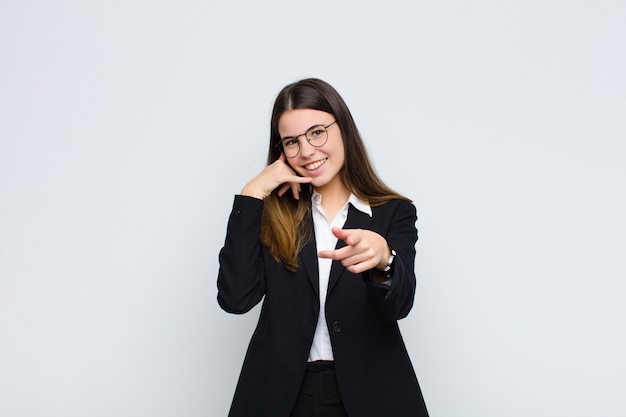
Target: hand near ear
x=365 y=250
x=277 y=174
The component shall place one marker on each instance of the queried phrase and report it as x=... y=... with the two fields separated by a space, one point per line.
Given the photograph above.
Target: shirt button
x=337 y=328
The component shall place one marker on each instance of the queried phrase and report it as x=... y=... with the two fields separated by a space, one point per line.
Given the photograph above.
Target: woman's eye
x=290 y=142
x=316 y=133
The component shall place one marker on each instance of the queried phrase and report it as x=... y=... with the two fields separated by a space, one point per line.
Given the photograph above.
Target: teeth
x=315 y=165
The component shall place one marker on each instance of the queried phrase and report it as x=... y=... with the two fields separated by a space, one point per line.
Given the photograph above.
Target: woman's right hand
x=275 y=175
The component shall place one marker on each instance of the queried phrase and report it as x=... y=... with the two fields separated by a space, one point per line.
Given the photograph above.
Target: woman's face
x=320 y=163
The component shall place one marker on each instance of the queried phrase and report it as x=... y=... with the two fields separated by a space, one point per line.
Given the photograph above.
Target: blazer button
x=237 y=212
x=337 y=327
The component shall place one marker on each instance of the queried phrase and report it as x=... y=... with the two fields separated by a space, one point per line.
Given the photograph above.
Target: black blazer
x=374 y=373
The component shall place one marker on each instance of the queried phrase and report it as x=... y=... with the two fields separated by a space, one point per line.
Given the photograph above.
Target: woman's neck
x=334 y=197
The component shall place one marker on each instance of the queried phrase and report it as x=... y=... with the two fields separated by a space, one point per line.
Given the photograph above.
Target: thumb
x=346 y=235
x=340 y=233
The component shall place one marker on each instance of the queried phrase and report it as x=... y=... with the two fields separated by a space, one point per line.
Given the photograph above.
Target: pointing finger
x=328 y=254
x=336 y=254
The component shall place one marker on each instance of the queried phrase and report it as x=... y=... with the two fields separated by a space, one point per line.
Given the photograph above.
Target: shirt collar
x=363 y=207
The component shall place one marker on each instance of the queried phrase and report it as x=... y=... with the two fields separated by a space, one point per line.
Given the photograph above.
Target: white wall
x=127 y=126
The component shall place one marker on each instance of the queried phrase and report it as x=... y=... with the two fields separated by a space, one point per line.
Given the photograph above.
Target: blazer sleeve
x=241 y=276
x=395 y=302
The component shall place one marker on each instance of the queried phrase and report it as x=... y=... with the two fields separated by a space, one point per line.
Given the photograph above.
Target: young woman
x=332 y=249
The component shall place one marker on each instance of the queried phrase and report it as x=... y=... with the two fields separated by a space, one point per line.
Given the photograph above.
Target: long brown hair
x=285 y=225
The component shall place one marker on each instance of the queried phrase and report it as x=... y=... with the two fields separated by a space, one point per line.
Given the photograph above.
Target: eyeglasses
x=316 y=135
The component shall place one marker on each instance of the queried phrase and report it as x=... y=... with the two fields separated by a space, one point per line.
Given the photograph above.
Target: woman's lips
x=314 y=165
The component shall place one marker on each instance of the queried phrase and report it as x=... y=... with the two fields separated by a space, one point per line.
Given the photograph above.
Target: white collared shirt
x=321 y=348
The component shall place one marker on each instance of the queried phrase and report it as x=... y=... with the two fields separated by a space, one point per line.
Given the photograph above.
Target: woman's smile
x=315 y=165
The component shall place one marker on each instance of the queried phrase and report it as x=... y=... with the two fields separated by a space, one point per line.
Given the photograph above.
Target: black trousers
x=319 y=394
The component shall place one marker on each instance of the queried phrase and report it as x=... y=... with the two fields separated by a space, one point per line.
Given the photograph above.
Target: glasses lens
x=317 y=135
x=291 y=147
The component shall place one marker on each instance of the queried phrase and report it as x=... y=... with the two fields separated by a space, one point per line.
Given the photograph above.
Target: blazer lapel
x=308 y=256
x=356 y=220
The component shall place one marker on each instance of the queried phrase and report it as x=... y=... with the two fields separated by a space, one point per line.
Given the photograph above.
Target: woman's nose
x=306 y=149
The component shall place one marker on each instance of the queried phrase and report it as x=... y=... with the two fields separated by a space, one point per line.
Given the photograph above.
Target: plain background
x=126 y=127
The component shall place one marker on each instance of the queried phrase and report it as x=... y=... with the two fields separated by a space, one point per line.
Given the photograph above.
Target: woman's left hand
x=365 y=250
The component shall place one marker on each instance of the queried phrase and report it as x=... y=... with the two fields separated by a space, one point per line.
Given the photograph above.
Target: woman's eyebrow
x=291 y=137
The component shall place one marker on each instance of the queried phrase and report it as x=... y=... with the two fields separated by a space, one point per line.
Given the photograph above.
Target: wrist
x=251 y=191
x=388 y=268
x=384 y=258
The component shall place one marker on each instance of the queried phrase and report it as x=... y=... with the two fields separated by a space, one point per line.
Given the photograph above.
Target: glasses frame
x=279 y=145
